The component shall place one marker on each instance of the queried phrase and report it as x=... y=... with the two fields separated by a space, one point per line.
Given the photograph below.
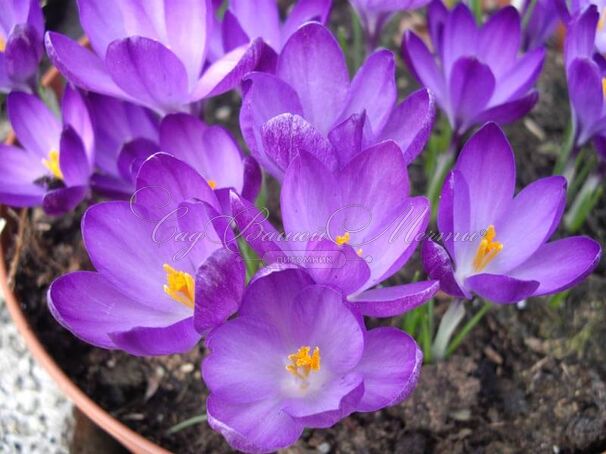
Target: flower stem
x=443 y=165
x=567 y=150
x=585 y=200
x=187 y=423
x=450 y=320
x=467 y=328
x=427 y=330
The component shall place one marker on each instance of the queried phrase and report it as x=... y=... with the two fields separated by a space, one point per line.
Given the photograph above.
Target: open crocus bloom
x=125 y=135
x=586 y=74
x=21 y=33
x=351 y=227
x=375 y=13
x=495 y=244
x=150 y=52
x=310 y=102
x=214 y=153
x=55 y=163
x=479 y=77
x=245 y=20
x=297 y=356
x=163 y=277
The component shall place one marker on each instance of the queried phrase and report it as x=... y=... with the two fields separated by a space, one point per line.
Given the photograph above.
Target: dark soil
x=526 y=380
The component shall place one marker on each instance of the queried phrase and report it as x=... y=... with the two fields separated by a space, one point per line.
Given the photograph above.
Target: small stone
x=187 y=368
x=324 y=448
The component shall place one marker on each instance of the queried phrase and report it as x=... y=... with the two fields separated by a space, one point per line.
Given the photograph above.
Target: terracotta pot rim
x=127 y=437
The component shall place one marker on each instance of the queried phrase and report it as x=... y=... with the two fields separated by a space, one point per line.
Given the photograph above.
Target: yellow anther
x=212 y=184
x=302 y=363
x=52 y=164
x=602 y=21
x=180 y=286
x=487 y=250
x=604 y=87
x=343 y=239
x=360 y=252
x=2 y=45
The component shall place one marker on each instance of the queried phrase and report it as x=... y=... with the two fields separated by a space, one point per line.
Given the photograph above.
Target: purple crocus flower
x=163 y=277
x=352 y=228
x=152 y=53
x=541 y=18
x=214 y=153
x=298 y=356
x=53 y=166
x=245 y=20
x=495 y=244
x=125 y=135
x=311 y=102
x=21 y=33
x=479 y=75
x=374 y=14
x=586 y=72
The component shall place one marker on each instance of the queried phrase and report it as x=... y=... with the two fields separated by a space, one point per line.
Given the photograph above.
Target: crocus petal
x=396 y=300
x=19 y=169
x=518 y=80
x=187 y=28
x=410 y=124
x=347 y=138
x=253 y=177
x=437 y=15
x=286 y=135
x=89 y=306
x=227 y=72
x=560 y=265
x=471 y=87
x=510 y=111
x=488 y=166
x=73 y=161
x=336 y=266
x=584 y=86
x=220 y=283
x=373 y=90
x=62 y=200
x=103 y=23
x=499 y=40
x=314 y=65
x=75 y=114
x=23 y=52
x=133 y=155
x=305 y=11
x=232 y=33
x=347 y=405
x=239 y=424
x=80 y=66
x=36 y=127
x=309 y=196
x=530 y=220
x=259 y=19
x=264 y=97
x=212 y=151
x=391 y=366
x=254 y=227
x=423 y=66
x=580 y=41
x=119 y=240
x=180 y=337
x=501 y=289
x=164 y=181
x=438 y=265
x=149 y=72
x=460 y=37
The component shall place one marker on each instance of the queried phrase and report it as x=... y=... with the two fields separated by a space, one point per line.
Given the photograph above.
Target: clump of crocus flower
x=149 y=54
x=299 y=356
x=21 y=34
x=311 y=101
x=475 y=72
x=496 y=245
x=53 y=166
x=162 y=267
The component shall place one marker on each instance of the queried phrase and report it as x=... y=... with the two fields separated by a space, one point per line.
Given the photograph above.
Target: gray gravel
x=35 y=417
